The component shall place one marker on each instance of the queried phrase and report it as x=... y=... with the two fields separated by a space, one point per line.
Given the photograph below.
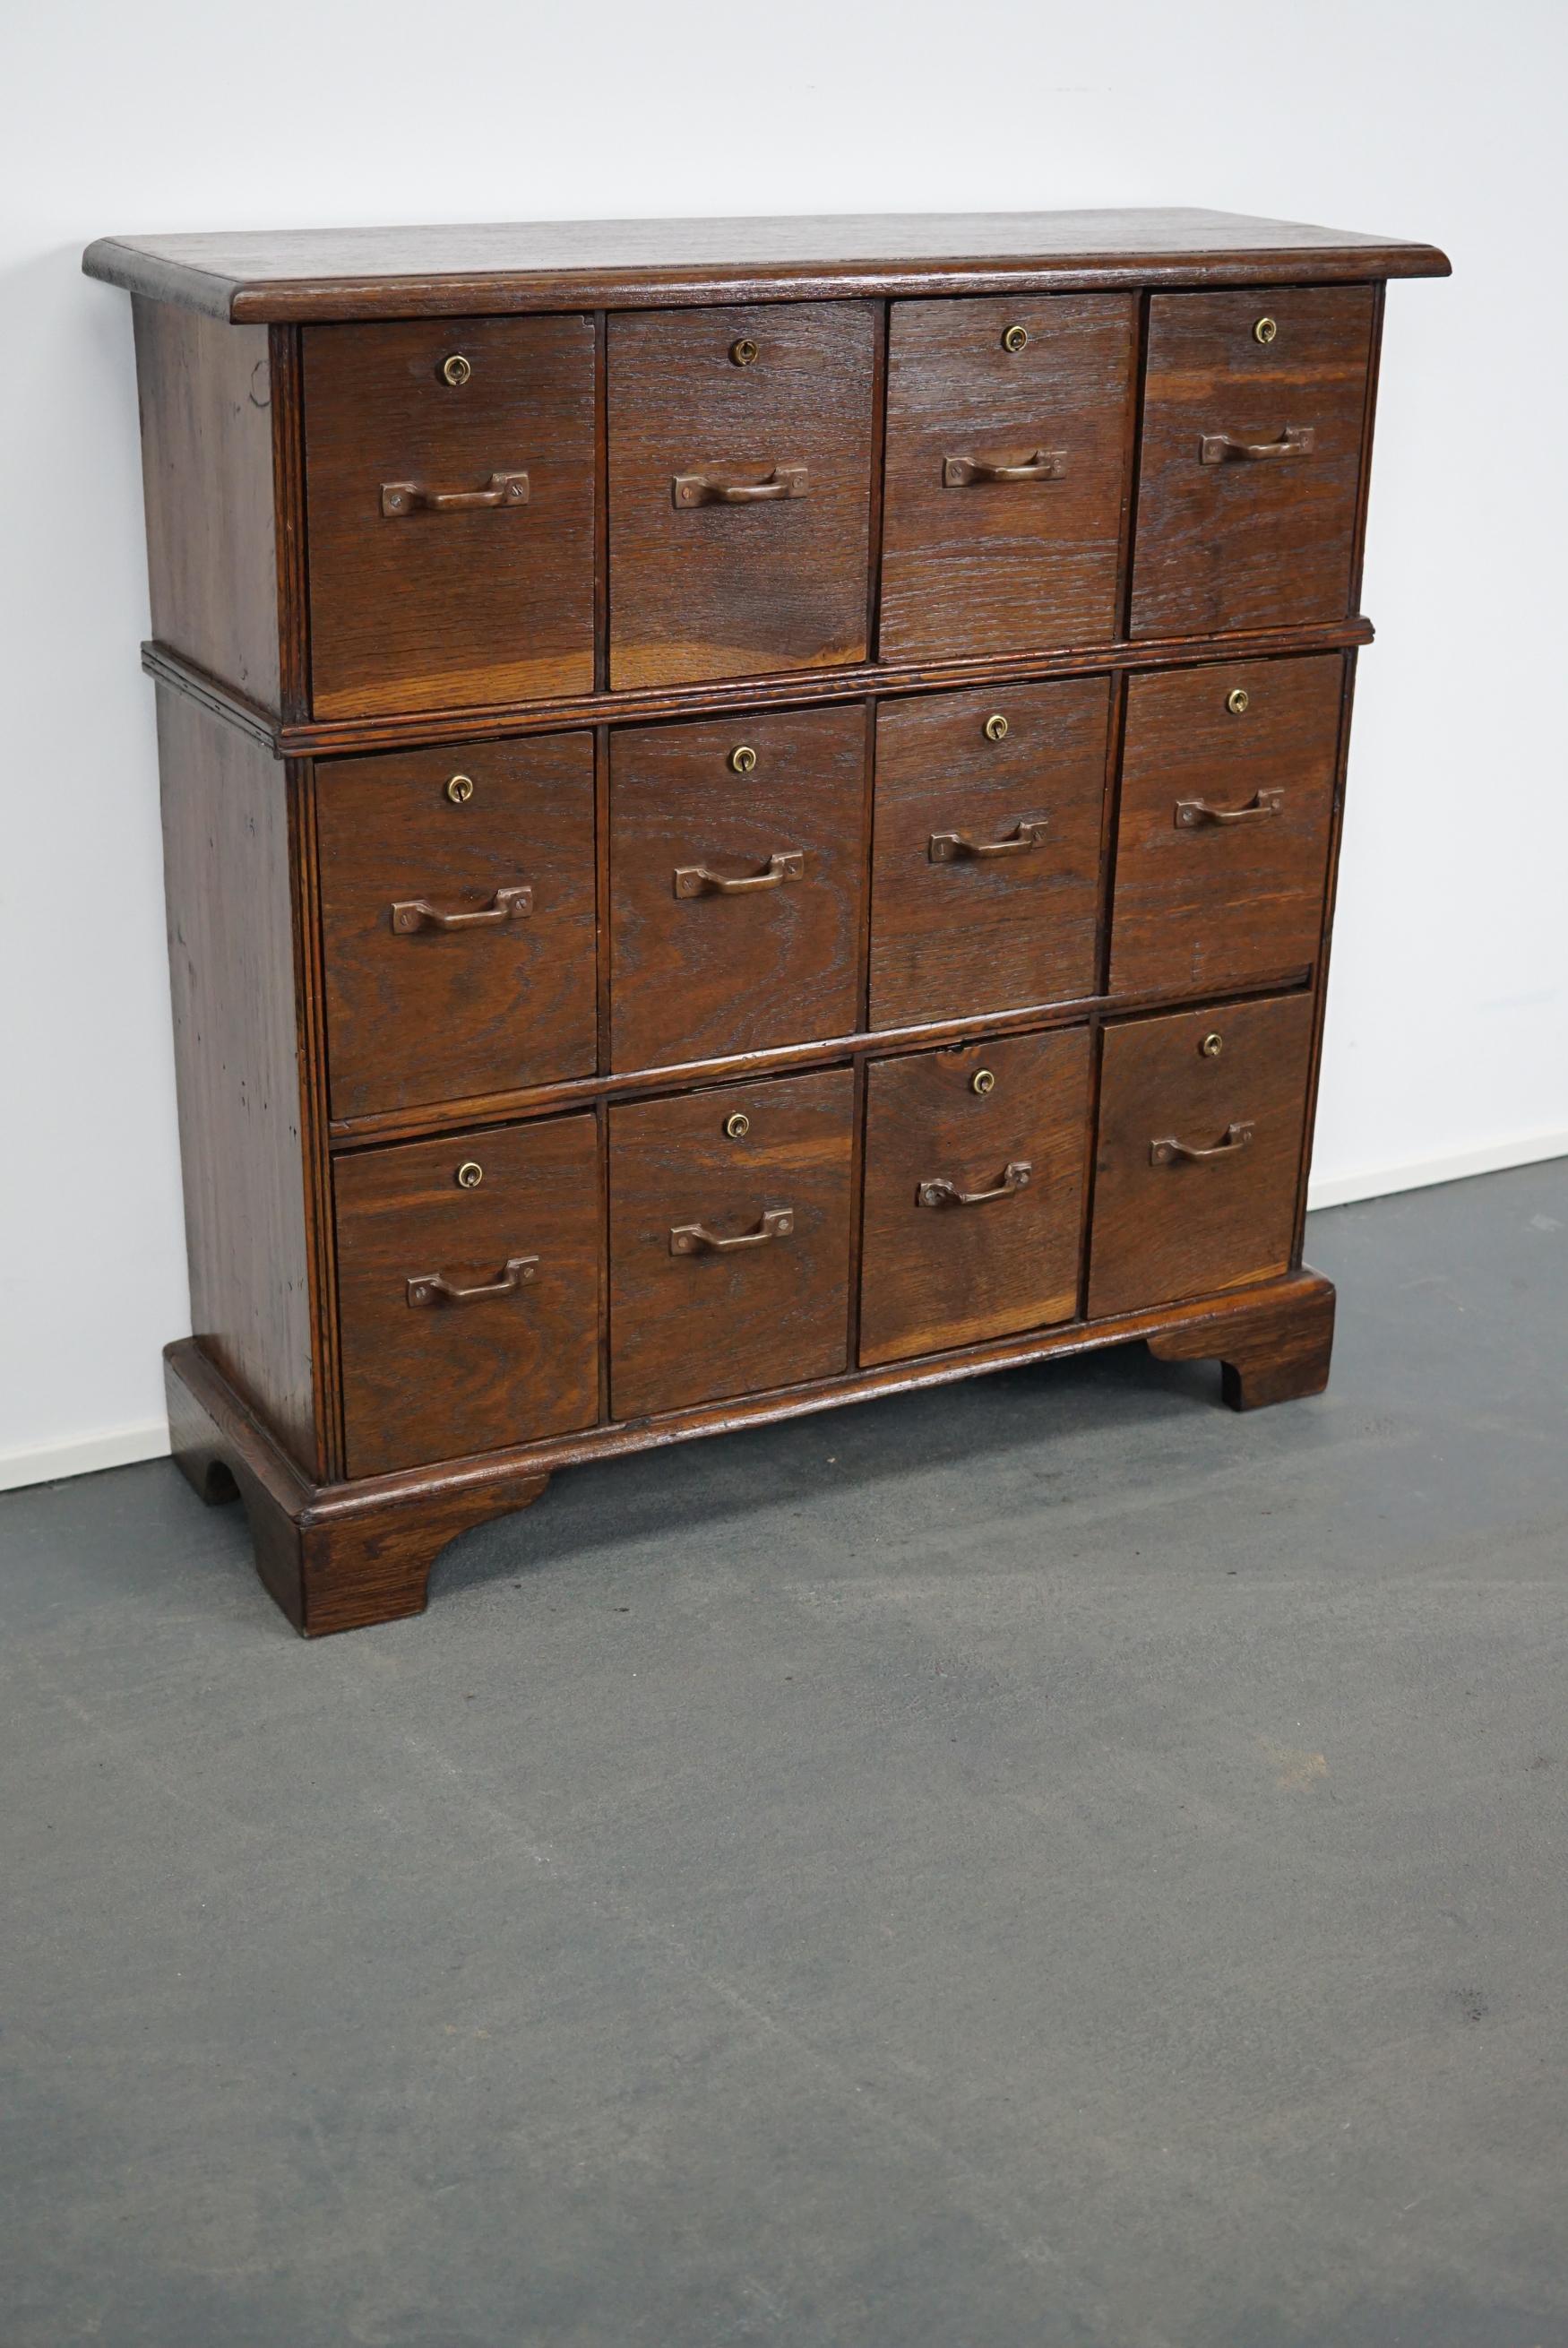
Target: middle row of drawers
x=463 y=908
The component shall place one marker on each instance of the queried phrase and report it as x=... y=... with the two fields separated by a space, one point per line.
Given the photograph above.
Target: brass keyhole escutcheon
x=1016 y=338
x=460 y=790
x=743 y=758
x=1264 y=331
x=983 y=1081
x=456 y=370
x=745 y=351
x=1238 y=701
x=470 y=1174
x=1211 y=1046
x=738 y=1126
x=996 y=727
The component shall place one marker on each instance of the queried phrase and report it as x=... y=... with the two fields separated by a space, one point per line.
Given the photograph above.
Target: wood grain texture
x=932 y=1277
x=951 y=939
x=1218 y=904
x=396 y=273
x=437 y=608
x=994 y=566
x=438 y=1380
x=716 y=974
x=1167 y=1231
x=1271 y=1350
x=1239 y=545
x=205 y=392
x=230 y=893
x=733 y=589
x=433 y=1016
x=701 y=1327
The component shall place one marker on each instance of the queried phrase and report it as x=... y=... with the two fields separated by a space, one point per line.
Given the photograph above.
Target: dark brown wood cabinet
x=750 y=813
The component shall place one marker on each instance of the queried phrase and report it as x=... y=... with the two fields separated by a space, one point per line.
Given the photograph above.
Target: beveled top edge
x=299 y=274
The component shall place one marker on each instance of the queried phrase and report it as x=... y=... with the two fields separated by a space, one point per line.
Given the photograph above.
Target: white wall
x=1448 y=1041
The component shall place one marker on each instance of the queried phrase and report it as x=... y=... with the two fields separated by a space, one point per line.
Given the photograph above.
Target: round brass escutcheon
x=742 y=759
x=456 y=370
x=745 y=351
x=738 y=1126
x=996 y=727
x=1238 y=701
x=460 y=790
x=1016 y=338
x=1264 y=331
x=982 y=1082
x=1211 y=1046
x=470 y=1174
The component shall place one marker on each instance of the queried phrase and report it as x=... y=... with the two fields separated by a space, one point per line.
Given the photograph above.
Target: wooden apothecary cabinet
x=751 y=812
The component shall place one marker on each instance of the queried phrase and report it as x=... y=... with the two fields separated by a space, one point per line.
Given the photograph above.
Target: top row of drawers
x=452 y=472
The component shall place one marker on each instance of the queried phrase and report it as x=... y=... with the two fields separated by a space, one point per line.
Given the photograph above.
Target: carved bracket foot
x=1274 y=1348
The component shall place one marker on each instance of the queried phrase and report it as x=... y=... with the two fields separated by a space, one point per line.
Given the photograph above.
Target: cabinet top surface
x=387 y=272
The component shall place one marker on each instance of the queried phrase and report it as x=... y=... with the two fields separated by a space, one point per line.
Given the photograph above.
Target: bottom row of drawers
x=470 y=1274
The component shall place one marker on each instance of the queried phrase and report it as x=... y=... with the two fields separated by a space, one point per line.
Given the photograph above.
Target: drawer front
x=1006 y=473
x=468 y=1317
x=1253 y=410
x=740 y=486
x=985 y=861
x=458 y=916
x=416 y=604
x=1199 y=1152
x=729 y=1241
x=736 y=884
x=974 y=1193
x=1222 y=847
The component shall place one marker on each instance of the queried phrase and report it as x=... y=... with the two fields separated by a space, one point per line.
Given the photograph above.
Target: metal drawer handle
x=1192 y=813
x=1016 y=1176
x=1219 y=448
x=401 y=498
x=947 y=846
x=969 y=472
x=701 y=490
x=696 y=1239
x=696 y=881
x=1166 y=1153
x=435 y=1288
x=506 y=905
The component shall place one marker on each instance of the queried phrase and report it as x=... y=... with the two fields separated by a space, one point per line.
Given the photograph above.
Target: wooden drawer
x=729 y=1241
x=975 y=563
x=468 y=1317
x=739 y=490
x=1221 y=846
x=736 y=883
x=954 y=931
x=974 y=1192
x=1201 y=1121
x=1253 y=411
x=420 y=606
x=457 y=918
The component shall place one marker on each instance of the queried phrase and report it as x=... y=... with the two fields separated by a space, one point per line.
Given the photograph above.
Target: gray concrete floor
x=1041 y=1862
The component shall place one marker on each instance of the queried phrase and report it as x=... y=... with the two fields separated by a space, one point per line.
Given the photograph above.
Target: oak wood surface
x=996 y=565
x=1217 y=903
x=433 y=1016
x=301 y=274
x=953 y=938
x=698 y=1327
x=1168 y=1230
x=935 y=1276
x=713 y=974
x=205 y=392
x=429 y=607
x=1271 y=1351
x=425 y=1381
x=725 y=590
x=1249 y=543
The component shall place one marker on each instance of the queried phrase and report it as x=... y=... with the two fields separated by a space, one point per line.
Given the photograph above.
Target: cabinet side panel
x=205 y=392
x=231 y=973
